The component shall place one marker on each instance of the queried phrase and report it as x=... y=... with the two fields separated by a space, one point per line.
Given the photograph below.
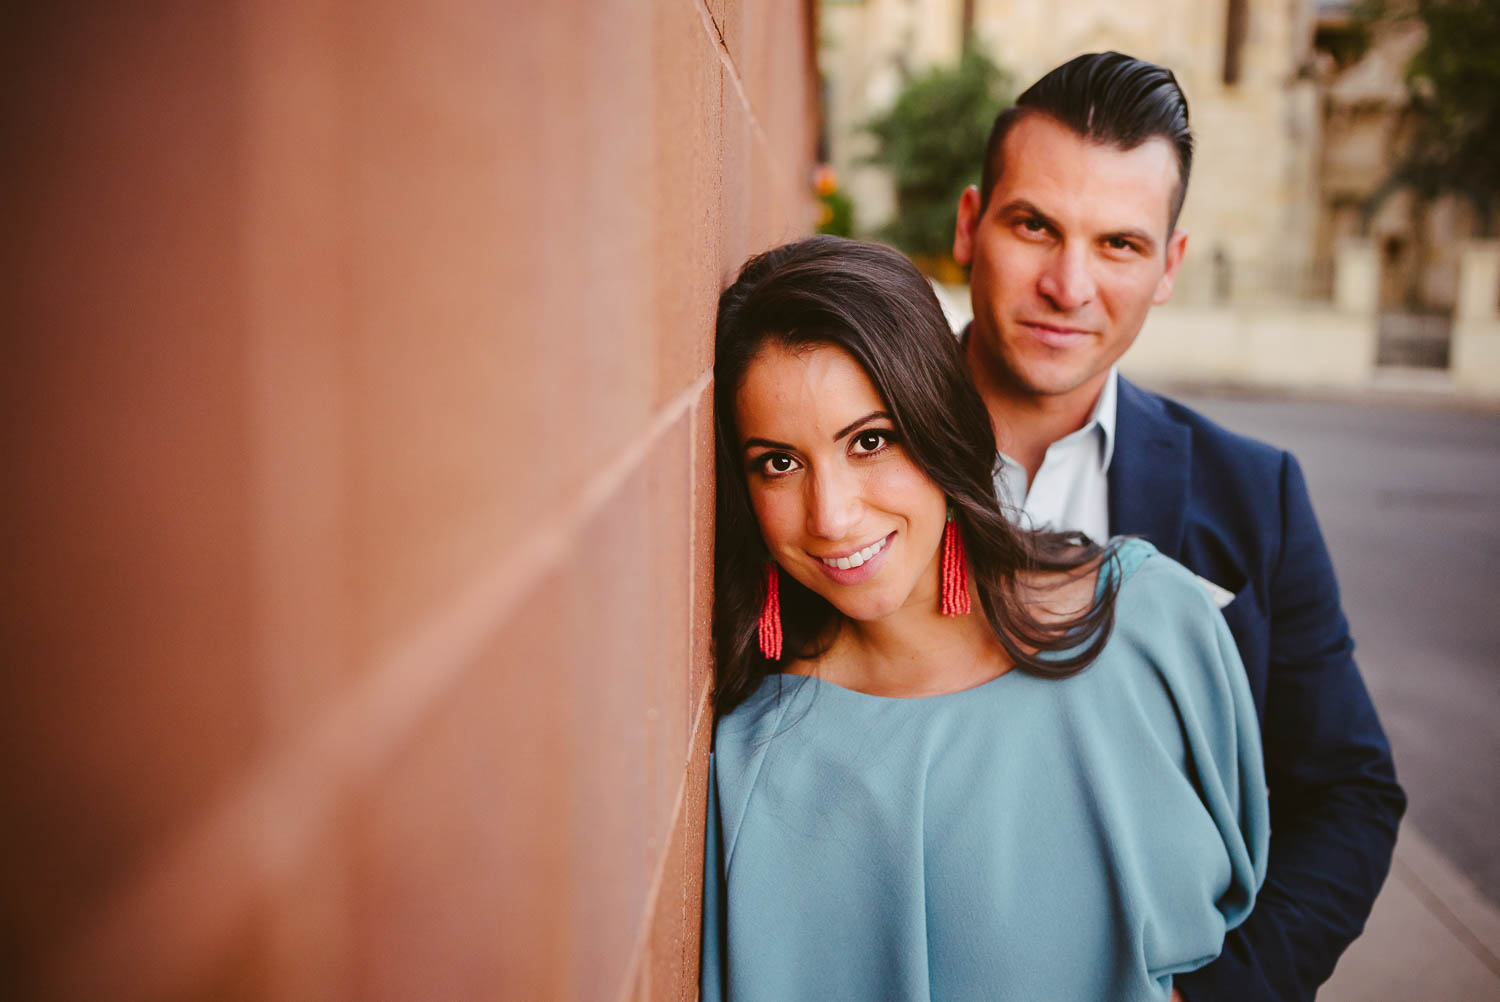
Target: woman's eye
x=869 y=441
x=777 y=463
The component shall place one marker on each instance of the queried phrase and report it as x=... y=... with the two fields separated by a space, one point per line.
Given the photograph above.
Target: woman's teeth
x=855 y=559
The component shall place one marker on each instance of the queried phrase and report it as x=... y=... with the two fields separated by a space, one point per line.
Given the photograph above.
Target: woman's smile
x=859 y=565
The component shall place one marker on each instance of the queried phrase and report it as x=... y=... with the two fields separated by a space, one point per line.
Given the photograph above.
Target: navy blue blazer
x=1237 y=512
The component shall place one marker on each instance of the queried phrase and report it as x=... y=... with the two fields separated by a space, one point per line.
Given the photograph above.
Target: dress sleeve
x=1226 y=751
x=1210 y=693
x=711 y=971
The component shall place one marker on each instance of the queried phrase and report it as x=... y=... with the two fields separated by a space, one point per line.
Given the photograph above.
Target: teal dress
x=1028 y=839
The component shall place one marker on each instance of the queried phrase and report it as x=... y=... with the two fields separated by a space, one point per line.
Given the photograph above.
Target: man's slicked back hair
x=1107 y=98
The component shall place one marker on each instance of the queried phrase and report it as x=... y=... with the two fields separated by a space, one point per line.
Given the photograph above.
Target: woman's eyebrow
x=767 y=444
x=864 y=420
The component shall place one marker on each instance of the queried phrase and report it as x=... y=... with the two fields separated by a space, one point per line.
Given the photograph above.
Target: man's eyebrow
x=1017 y=205
x=1146 y=240
x=862 y=421
x=1021 y=205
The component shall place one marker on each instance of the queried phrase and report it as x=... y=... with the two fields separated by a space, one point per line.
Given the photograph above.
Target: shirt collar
x=1101 y=417
x=1104 y=415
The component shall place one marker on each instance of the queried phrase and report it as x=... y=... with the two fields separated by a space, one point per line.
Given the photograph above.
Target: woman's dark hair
x=871 y=302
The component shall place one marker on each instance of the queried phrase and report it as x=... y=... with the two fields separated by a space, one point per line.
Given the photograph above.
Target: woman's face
x=841 y=505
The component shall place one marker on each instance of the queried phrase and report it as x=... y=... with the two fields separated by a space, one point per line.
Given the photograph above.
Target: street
x=1409 y=500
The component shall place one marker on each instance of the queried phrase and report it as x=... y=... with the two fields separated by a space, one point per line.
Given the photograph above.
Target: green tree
x=1454 y=81
x=932 y=141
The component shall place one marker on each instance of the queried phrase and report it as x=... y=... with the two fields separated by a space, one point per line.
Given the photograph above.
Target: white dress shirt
x=1071 y=489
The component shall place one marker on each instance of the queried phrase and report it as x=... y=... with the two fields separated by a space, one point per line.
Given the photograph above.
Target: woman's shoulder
x=1144 y=572
x=1130 y=553
x=1166 y=619
x=762 y=713
x=1128 y=561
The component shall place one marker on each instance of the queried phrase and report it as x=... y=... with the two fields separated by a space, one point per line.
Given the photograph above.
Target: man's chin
x=1050 y=381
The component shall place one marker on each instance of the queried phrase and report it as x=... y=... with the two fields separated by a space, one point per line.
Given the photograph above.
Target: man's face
x=1069 y=256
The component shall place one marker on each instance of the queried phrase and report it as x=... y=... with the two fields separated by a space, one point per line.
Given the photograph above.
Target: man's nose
x=833 y=504
x=1067 y=281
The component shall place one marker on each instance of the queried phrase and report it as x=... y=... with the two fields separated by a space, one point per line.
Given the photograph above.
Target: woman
x=1055 y=796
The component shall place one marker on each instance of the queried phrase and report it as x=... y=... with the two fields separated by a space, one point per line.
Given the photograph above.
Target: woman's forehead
x=804 y=390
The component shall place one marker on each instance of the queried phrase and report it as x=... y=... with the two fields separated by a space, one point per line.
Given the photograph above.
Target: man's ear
x=1176 y=247
x=968 y=221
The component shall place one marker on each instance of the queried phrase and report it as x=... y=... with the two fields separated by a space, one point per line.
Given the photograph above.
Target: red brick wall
x=357 y=402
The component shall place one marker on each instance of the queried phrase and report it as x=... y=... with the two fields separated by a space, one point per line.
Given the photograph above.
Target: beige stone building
x=1304 y=265
x=1419 y=243
x=1246 y=68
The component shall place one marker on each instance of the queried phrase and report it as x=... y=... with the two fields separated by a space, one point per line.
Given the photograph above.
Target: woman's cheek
x=900 y=483
x=774 y=512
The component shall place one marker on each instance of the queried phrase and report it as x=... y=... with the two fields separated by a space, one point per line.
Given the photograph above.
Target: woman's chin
x=865 y=608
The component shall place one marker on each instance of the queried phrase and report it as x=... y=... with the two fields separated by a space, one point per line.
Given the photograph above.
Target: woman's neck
x=915 y=651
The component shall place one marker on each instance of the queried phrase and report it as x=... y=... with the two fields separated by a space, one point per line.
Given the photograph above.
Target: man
x=1071 y=238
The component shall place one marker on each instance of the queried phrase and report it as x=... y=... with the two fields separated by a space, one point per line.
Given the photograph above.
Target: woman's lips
x=867 y=567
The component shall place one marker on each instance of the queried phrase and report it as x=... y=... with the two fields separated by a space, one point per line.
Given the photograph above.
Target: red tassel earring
x=770 y=617
x=953 y=599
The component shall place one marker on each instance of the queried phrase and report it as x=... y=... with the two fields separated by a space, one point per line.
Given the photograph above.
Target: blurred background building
x=358 y=431
x=1315 y=258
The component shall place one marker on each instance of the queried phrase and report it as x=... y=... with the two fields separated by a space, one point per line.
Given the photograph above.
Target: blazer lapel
x=1148 y=474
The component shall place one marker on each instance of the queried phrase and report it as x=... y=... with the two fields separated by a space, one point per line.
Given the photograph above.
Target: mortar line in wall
x=641 y=946
x=721 y=47
x=261 y=832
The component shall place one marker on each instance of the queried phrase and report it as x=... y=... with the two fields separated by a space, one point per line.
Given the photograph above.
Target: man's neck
x=1026 y=423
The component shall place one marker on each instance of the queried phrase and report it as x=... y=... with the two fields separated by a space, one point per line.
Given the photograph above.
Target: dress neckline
x=823 y=683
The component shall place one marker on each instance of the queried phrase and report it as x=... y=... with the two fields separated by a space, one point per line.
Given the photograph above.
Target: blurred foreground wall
x=357 y=559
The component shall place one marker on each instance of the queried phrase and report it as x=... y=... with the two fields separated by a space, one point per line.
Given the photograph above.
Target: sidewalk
x=1431 y=938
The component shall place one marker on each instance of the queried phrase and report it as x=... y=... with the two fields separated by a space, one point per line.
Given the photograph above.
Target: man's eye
x=869 y=441
x=1033 y=225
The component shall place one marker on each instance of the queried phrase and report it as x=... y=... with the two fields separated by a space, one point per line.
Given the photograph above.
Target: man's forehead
x=1047 y=164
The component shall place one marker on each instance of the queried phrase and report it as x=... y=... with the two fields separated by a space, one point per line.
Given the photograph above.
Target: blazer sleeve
x=1335 y=803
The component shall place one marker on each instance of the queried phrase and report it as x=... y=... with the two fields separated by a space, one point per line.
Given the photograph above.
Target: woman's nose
x=833 y=504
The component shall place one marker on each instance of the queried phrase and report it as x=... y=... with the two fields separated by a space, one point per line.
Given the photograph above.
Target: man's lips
x=1055 y=336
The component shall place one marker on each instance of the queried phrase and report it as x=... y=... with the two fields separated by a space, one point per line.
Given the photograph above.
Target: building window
x=1236 y=18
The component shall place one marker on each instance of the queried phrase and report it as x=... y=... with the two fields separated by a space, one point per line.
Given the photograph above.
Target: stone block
x=1356 y=276
x=510 y=850
x=688 y=216
x=1475 y=359
x=1478 y=282
x=130 y=695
